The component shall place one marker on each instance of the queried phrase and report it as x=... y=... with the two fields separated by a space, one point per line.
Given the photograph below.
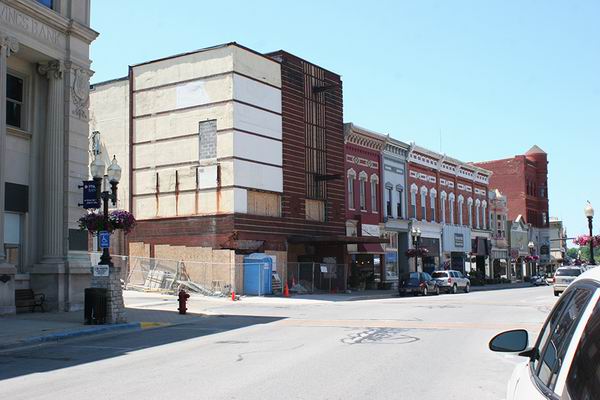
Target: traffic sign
x=104 y=238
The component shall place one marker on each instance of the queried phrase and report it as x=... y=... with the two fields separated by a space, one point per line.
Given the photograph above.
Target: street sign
x=90 y=198
x=101 y=270
x=104 y=238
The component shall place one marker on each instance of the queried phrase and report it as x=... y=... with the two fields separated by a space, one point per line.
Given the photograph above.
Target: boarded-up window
x=208 y=140
x=315 y=210
x=261 y=203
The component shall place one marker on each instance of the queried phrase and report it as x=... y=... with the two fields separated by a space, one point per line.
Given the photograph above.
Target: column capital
x=10 y=43
x=52 y=69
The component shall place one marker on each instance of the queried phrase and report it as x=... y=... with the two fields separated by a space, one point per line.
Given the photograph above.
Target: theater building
x=231 y=152
x=44 y=75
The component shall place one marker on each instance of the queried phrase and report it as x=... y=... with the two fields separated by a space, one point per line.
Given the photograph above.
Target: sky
x=477 y=80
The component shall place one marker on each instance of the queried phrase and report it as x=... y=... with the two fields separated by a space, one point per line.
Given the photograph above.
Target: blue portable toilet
x=258 y=268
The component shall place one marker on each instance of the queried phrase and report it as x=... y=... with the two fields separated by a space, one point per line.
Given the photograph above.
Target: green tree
x=584 y=252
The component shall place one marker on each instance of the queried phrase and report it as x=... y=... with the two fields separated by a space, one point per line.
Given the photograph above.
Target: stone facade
x=44 y=55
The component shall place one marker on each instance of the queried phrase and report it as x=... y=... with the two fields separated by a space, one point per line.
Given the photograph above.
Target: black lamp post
x=416 y=236
x=589 y=213
x=113 y=176
x=531 y=246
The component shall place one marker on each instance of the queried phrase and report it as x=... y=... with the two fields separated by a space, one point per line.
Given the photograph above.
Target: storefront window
x=12 y=238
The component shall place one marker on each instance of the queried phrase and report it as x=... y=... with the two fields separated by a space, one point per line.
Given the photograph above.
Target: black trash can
x=95 y=306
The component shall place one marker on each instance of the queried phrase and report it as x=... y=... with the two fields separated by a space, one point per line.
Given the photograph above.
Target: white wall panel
x=257 y=176
x=256 y=93
x=16 y=162
x=167 y=152
x=257 y=121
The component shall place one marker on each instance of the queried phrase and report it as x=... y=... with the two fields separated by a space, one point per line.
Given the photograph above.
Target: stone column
x=8 y=45
x=53 y=165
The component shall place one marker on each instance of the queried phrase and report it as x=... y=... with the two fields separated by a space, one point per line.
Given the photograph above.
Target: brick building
x=523 y=179
x=364 y=215
x=448 y=203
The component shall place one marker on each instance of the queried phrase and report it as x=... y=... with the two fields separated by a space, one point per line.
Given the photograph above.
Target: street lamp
x=531 y=246
x=416 y=236
x=589 y=213
x=97 y=168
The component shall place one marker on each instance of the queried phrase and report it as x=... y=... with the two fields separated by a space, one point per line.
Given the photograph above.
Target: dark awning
x=336 y=239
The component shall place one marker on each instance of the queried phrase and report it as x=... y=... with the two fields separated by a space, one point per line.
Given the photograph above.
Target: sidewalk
x=33 y=328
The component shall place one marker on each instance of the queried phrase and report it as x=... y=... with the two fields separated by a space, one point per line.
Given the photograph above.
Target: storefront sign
x=391 y=256
x=371 y=230
x=459 y=240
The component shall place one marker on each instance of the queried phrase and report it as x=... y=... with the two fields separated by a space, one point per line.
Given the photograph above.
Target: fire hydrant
x=183 y=296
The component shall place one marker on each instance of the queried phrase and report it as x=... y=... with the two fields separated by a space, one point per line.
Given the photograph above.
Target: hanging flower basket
x=419 y=252
x=117 y=220
x=584 y=240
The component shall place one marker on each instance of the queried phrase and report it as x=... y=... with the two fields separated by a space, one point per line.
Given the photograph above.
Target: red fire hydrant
x=183 y=296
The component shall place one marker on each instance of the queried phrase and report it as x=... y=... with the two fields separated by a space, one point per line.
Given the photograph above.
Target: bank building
x=44 y=86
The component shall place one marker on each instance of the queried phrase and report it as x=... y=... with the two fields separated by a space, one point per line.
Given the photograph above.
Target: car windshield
x=439 y=275
x=568 y=272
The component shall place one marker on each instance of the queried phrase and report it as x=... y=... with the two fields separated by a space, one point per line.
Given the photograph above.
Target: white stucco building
x=44 y=75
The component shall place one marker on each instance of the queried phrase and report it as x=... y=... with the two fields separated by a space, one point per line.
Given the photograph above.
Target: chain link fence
x=311 y=277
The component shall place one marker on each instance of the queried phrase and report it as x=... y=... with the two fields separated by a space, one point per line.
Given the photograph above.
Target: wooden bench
x=26 y=298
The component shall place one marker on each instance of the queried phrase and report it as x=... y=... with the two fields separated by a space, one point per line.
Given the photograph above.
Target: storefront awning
x=337 y=240
x=371 y=248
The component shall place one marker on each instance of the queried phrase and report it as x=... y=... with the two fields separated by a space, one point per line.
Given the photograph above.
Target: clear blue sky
x=493 y=77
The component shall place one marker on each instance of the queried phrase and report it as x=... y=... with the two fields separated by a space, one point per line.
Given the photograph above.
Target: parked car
x=564 y=363
x=451 y=281
x=417 y=283
x=563 y=278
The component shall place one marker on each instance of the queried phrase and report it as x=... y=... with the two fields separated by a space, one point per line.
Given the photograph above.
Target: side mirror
x=510 y=341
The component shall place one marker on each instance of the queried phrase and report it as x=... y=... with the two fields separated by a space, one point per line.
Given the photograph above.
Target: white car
x=564 y=276
x=564 y=363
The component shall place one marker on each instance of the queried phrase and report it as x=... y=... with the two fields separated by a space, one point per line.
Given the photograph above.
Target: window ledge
x=11 y=130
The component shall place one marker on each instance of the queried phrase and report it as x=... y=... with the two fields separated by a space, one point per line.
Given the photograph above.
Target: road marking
x=361 y=323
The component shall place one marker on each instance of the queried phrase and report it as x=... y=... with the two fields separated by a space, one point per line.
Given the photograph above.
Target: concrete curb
x=58 y=336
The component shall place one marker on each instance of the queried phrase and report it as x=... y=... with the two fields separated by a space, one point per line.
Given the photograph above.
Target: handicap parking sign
x=104 y=237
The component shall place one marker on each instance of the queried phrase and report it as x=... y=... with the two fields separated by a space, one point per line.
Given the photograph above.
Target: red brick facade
x=443 y=190
x=524 y=181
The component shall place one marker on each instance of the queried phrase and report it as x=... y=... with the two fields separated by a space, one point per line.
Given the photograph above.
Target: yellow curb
x=150 y=325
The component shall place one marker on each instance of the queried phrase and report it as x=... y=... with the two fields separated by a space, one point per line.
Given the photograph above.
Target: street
x=405 y=348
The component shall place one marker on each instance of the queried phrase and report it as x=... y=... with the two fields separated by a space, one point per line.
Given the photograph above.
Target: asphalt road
x=399 y=348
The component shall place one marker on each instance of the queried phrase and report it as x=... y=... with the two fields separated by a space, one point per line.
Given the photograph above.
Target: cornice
x=53 y=19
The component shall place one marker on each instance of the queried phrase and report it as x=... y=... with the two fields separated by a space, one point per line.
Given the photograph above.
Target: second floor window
x=399 y=204
x=14 y=101
x=351 y=192
x=389 y=203
x=374 y=195
x=47 y=3
x=362 y=194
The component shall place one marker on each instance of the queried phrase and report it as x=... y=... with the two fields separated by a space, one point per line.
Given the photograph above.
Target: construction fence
x=220 y=279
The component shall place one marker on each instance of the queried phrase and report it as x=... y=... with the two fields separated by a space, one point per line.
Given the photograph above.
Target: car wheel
x=425 y=291
x=556 y=293
x=454 y=289
x=437 y=290
x=467 y=288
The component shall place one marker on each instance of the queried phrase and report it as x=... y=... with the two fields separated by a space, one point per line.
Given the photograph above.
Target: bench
x=26 y=298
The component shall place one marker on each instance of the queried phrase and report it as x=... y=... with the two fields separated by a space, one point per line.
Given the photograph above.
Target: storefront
x=455 y=246
x=481 y=248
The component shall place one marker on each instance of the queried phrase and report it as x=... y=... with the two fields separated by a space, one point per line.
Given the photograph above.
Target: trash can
x=95 y=306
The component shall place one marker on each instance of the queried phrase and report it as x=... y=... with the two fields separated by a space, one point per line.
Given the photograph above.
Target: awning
x=371 y=248
x=337 y=240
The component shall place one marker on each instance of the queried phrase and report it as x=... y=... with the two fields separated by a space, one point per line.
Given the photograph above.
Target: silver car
x=451 y=281
x=563 y=278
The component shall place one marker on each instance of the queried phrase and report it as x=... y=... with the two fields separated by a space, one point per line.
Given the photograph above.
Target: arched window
x=423 y=203
x=351 y=177
x=432 y=196
x=470 y=211
x=451 y=199
x=443 y=197
x=477 y=207
x=362 y=182
x=389 y=198
x=484 y=214
x=461 y=201
x=413 y=199
x=374 y=191
x=399 y=203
